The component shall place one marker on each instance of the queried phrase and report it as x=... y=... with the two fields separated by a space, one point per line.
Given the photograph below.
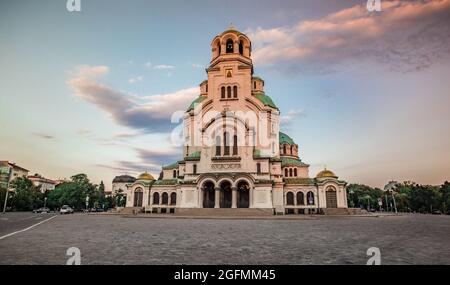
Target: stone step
x=223 y=212
x=342 y=211
x=131 y=210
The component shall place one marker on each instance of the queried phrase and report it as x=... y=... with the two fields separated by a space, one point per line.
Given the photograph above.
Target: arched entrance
x=243 y=195
x=225 y=194
x=209 y=195
x=138 y=196
x=331 y=197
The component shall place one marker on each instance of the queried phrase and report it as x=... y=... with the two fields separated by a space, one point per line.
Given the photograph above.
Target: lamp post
x=87 y=203
x=7 y=190
x=45 y=201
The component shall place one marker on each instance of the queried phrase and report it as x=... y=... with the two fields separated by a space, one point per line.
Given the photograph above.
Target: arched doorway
x=290 y=199
x=209 y=195
x=243 y=195
x=331 y=197
x=225 y=194
x=138 y=196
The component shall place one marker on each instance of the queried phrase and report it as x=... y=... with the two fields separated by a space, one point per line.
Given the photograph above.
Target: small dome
x=285 y=139
x=326 y=174
x=145 y=176
x=124 y=179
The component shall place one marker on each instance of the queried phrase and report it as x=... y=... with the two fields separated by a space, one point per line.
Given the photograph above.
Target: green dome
x=285 y=139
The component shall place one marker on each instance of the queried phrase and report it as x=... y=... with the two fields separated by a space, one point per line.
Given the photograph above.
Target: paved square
x=107 y=239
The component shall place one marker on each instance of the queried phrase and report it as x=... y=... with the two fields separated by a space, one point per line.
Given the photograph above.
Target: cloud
x=196 y=65
x=135 y=79
x=149 y=113
x=44 y=136
x=159 y=157
x=163 y=66
x=405 y=36
x=291 y=116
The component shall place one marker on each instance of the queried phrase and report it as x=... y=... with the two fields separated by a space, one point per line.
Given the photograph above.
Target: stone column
x=234 y=197
x=217 y=197
x=200 y=198
x=251 y=196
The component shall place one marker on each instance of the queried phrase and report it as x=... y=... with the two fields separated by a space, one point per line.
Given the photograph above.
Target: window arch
x=254 y=84
x=258 y=168
x=174 y=174
x=173 y=198
x=222 y=92
x=300 y=198
x=241 y=47
x=218 y=150
x=194 y=169
x=290 y=199
x=165 y=198
x=295 y=172
x=235 y=145
x=292 y=149
x=230 y=46
x=226 y=143
x=284 y=149
x=290 y=172
x=310 y=198
x=229 y=92
x=235 y=92
x=286 y=172
x=206 y=87
x=156 y=198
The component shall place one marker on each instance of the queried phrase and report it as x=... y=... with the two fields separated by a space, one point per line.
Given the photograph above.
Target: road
x=108 y=239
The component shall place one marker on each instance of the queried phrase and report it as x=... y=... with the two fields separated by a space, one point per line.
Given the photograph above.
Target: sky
x=364 y=93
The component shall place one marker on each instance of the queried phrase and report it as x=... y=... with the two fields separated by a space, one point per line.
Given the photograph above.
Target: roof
x=326 y=174
x=195 y=102
x=13 y=165
x=284 y=138
x=194 y=156
x=257 y=78
x=165 y=182
x=304 y=181
x=285 y=161
x=41 y=179
x=124 y=179
x=171 y=166
x=265 y=99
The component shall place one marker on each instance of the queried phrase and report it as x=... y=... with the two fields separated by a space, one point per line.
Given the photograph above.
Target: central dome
x=146 y=176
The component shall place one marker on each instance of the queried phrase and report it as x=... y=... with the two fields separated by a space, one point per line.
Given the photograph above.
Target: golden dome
x=145 y=176
x=326 y=174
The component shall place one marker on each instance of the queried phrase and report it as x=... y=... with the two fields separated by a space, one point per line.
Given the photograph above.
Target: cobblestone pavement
x=409 y=239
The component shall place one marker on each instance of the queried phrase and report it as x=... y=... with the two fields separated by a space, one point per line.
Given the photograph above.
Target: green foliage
x=409 y=196
x=26 y=196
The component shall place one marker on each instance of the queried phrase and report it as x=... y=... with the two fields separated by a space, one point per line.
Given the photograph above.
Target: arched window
x=290 y=172
x=258 y=168
x=310 y=198
x=292 y=149
x=254 y=84
x=285 y=172
x=230 y=46
x=222 y=92
x=229 y=92
x=235 y=145
x=194 y=169
x=218 y=146
x=219 y=47
x=174 y=174
x=284 y=149
x=235 y=92
x=300 y=198
x=290 y=199
x=173 y=198
x=226 y=143
x=206 y=87
x=295 y=172
x=241 y=47
x=156 y=198
x=164 y=198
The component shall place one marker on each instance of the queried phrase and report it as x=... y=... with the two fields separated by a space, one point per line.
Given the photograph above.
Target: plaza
x=115 y=239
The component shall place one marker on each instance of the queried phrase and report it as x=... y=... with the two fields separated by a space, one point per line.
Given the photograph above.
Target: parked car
x=66 y=210
x=437 y=212
x=96 y=210
x=42 y=210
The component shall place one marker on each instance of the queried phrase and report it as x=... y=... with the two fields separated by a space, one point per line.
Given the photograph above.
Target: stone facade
x=234 y=154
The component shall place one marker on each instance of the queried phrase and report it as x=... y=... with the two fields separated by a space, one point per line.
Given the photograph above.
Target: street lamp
x=45 y=201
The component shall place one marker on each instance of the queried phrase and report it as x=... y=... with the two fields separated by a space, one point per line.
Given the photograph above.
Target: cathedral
x=234 y=154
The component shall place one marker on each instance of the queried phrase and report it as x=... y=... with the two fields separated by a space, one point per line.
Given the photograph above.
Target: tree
x=26 y=196
x=73 y=193
x=445 y=194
